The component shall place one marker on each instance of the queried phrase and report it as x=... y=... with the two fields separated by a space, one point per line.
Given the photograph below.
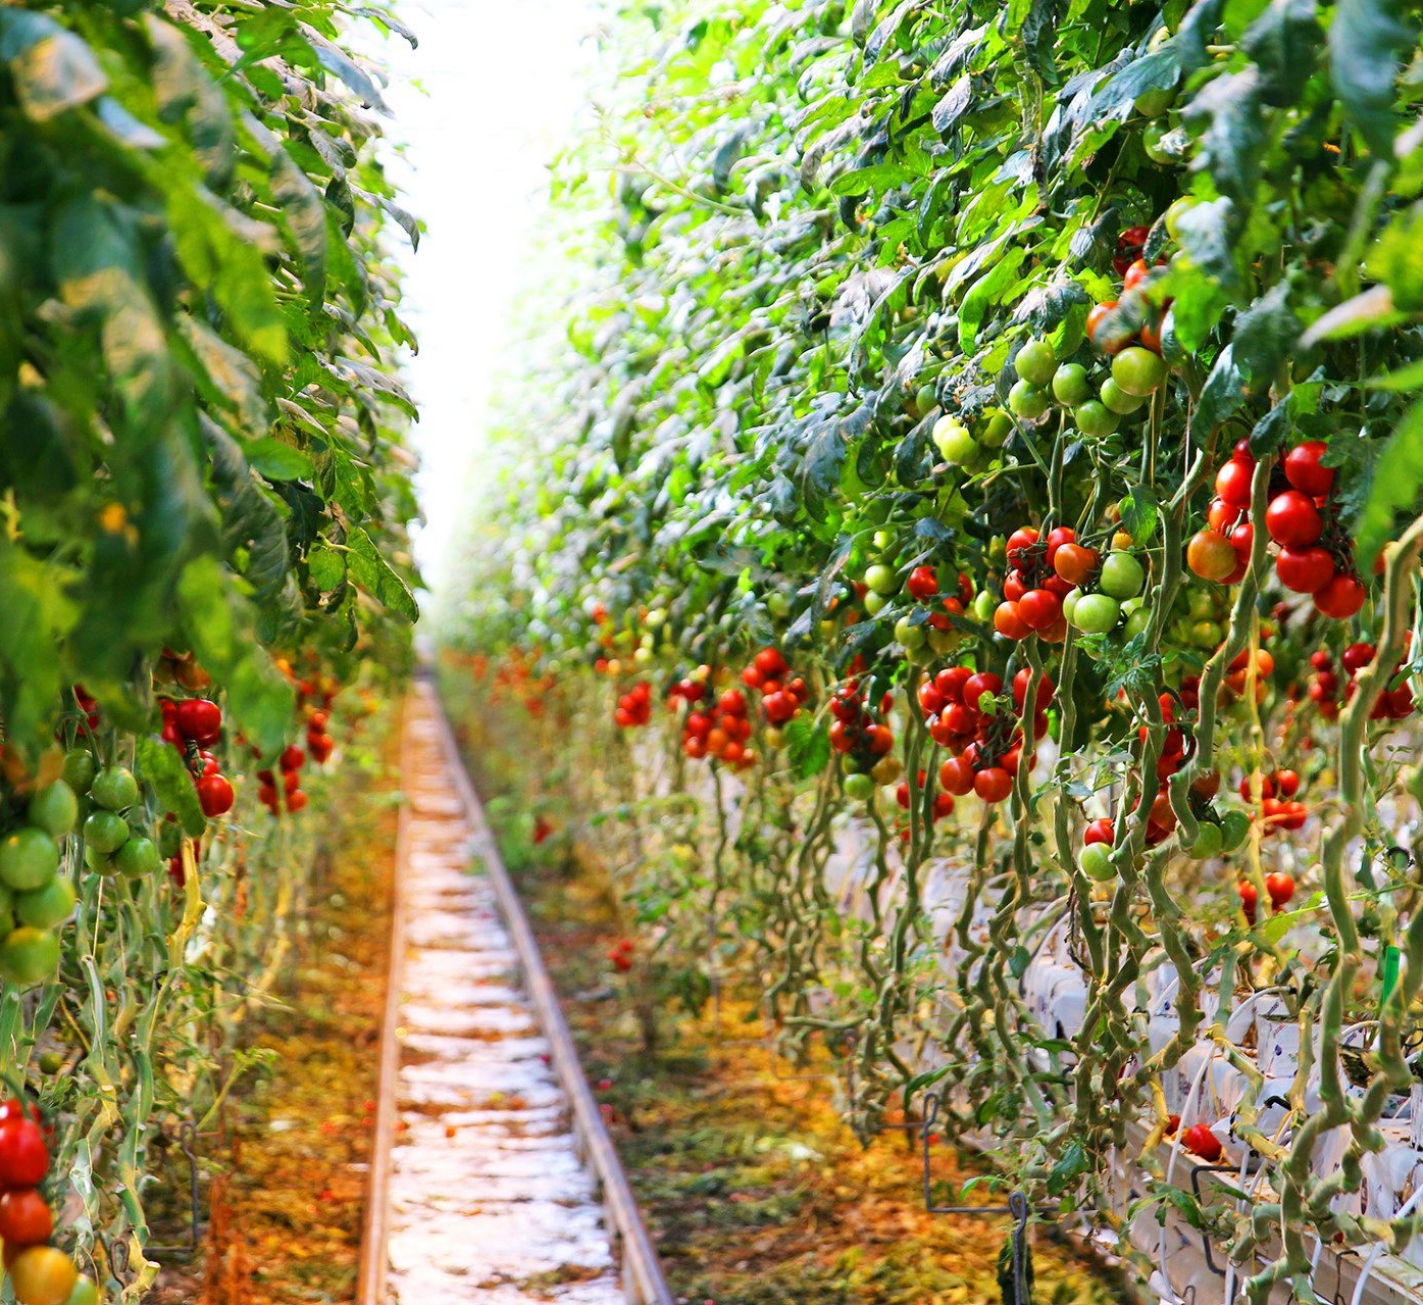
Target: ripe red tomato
x=951 y=680
x=1020 y=544
x=1200 y=1141
x=1149 y=337
x=1097 y=318
x=1008 y=621
x=1304 y=469
x=1340 y=597
x=1305 y=570
x=977 y=685
x=923 y=583
x=993 y=784
x=1020 y=689
x=1014 y=586
x=1135 y=274
x=962 y=719
x=293 y=758
x=1281 y=888
x=1287 y=782
x=1293 y=520
x=1039 y=608
x=215 y=795
x=1075 y=563
x=25 y=1218
x=770 y=662
x=1249 y=898
x=1098 y=831
x=931 y=701
x=1232 y=482
x=1056 y=538
x=1221 y=516
x=943 y=805
x=199 y=719
x=24 y=1157
x=956 y=777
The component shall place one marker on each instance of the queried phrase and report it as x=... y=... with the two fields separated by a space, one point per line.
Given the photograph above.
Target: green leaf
x=1284 y=42
x=53 y=69
x=1072 y=1164
x=163 y=768
x=807 y=746
x=327 y=567
x=277 y=460
x=373 y=574
x=1233 y=131
x=1367 y=40
x=1222 y=395
x=1398 y=476
x=1265 y=335
x=1394 y=260
x=305 y=213
x=1140 y=513
x=38 y=614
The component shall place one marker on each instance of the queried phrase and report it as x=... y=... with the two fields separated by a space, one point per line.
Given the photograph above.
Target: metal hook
x=118 y=1257
x=1017 y=1207
x=1196 y=1173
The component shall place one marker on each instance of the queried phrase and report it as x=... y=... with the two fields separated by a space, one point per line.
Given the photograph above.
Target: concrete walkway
x=488 y=1202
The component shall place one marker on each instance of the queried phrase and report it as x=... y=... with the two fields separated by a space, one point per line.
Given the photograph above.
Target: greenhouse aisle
x=487 y=1201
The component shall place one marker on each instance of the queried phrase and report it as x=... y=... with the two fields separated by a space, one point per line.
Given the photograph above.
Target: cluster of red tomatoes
x=634 y=708
x=1278 y=807
x=1324 y=689
x=620 y=955
x=1313 y=557
x=722 y=732
x=1033 y=590
x=943 y=802
x=192 y=725
x=287 y=794
x=1128 y=264
x=988 y=742
x=40 y=1274
x=781 y=698
x=858 y=736
x=315 y=695
x=1280 y=888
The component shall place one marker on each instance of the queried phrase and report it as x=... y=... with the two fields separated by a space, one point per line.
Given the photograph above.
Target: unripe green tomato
x=51 y=1062
x=1138 y=622
x=773 y=737
x=827 y=628
x=1070 y=384
x=1206 y=634
x=1208 y=841
x=1200 y=602
x=54 y=809
x=995 y=431
x=859 y=788
x=778 y=605
x=984 y=605
x=1122 y=576
x=1115 y=399
x=881 y=579
x=114 y=788
x=884 y=540
x=1153 y=103
x=909 y=635
x=28 y=956
x=955 y=444
x=137 y=858
x=29 y=858
x=1176 y=212
x=1096 y=614
x=1069 y=604
x=1029 y=401
x=46 y=907
x=84 y=1292
x=105 y=832
x=875 y=603
x=943 y=642
x=1036 y=363
x=1138 y=371
x=1095 y=420
x=1095 y=861
x=642 y=656
x=1151 y=142
x=1234 y=830
x=101 y=863
x=79 y=769
x=926 y=398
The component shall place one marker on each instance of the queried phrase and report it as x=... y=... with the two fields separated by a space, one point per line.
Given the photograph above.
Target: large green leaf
x=1367 y=41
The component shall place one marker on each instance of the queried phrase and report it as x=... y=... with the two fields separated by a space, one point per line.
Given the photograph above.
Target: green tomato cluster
x=1120 y=581
x=35 y=897
x=1097 y=408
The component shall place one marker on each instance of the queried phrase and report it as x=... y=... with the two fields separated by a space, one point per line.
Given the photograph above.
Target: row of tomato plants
x=1016 y=406
x=207 y=486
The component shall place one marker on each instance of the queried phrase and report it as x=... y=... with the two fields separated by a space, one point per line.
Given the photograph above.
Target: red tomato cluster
x=1278 y=808
x=1313 y=557
x=1173 y=757
x=1033 y=590
x=1324 y=690
x=634 y=707
x=721 y=732
x=621 y=955
x=989 y=744
x=315 y=694
x=943 y=802
x=781 y=698
x=1128 y=264
x=191 y=725
x=285 y=793
x=854 y=732
x=1280 y=887
x=39 y=1274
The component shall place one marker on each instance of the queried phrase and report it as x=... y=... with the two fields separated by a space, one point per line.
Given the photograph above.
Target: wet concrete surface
x=489 y=1203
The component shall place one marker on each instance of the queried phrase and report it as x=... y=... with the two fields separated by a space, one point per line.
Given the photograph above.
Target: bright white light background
x=481 y=106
